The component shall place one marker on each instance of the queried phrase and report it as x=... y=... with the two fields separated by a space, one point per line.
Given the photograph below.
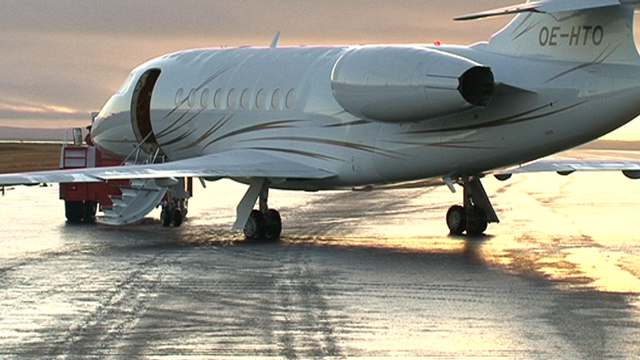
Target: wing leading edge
x=229 y=164
x=629 y=168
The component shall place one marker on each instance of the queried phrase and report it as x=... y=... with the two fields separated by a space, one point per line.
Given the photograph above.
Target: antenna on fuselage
x=274 y=42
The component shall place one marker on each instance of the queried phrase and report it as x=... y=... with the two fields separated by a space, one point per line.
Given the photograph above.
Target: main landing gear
x=264 y=223
x=476 y=213
x=259 y=225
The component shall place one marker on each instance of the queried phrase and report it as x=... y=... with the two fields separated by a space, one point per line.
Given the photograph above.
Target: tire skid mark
x=243 y=300
x=48 y=255
x=99 y=333
x=305 y=323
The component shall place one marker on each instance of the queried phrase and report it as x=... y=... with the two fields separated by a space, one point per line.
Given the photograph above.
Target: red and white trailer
x=83 y=200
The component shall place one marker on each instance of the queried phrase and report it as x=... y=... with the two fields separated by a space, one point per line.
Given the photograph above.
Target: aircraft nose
x=111 y=131
x=98 y=127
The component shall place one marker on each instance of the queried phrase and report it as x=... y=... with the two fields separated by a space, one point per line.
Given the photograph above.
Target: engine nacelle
x=398 y=84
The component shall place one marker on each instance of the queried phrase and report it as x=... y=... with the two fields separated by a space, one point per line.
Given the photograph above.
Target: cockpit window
x=125 y=86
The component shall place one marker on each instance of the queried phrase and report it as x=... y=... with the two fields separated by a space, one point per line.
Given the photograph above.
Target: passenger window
x=244 y=99
x=179 y=96
x=217 y=99
x=231 y=99
x=275 y=98
x=260 y=98
x=204 y=100
x=192 y=97
x=290 y=101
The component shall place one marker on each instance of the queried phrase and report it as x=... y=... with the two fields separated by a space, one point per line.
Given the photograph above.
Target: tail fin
x=598 y=31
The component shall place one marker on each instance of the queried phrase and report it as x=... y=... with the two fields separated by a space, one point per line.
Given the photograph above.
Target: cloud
x=16 y=110
x=34 y=108
x=248 y=18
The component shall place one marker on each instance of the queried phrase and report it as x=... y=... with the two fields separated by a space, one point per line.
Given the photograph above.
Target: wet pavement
x=356 y=275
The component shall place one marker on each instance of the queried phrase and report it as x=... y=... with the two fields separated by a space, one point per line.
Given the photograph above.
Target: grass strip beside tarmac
x=22 y=157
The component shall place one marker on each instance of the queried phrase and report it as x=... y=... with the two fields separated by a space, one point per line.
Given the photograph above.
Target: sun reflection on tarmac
x=543 y=231
x=371 y=274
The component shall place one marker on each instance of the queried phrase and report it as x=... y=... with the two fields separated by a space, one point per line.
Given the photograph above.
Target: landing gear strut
x=262 y=223
x=476 y=213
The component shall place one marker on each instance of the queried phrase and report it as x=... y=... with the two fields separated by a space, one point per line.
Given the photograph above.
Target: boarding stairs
x=137 y=200
x=139 y=197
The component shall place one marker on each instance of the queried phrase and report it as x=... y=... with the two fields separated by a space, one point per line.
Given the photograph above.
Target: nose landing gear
x=173 y=214
x=175 y=204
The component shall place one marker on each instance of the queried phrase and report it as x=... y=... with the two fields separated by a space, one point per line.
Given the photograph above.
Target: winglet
x=515 y=9
x=546 y=6
x=274 y=42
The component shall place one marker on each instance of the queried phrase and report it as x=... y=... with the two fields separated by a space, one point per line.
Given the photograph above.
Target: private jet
x=560 y=74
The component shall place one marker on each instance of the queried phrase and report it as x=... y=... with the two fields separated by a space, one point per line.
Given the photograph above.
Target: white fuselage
x=284 y=100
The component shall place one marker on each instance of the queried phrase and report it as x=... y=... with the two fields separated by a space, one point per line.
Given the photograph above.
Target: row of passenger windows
x=247 y=99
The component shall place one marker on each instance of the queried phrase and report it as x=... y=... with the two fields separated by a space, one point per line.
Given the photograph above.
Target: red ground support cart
x=83 y=199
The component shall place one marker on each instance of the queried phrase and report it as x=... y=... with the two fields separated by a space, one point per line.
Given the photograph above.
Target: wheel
x=74 y=211
x=89 y=211
x=165 y=216
x=273 y=224
x=476 y=222
x=176 y=217
x=457 y=220
x=255 y=226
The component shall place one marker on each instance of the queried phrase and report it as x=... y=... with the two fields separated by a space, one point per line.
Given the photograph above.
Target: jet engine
x=398 y=84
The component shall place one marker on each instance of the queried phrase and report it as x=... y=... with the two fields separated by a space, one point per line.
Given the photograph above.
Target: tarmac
x=355 y=275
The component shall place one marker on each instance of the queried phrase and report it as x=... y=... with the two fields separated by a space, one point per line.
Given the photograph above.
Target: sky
x=62 y=59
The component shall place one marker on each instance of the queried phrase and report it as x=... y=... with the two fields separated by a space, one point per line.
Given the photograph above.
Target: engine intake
x=399 y=84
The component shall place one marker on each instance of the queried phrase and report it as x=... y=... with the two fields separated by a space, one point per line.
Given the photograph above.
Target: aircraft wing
x=629 y=168
x=232 y=164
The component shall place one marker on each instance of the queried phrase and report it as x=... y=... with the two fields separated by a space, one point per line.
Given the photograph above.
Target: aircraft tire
x=273 y=225
x=176 y=217
x=255 y=226
x=456 y=220
x=165 y=217
x=476 y=222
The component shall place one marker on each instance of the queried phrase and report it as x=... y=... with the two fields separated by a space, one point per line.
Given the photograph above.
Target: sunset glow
x=62 y=60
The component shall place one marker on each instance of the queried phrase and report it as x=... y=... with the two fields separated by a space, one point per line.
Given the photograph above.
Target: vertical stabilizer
x=597 y=34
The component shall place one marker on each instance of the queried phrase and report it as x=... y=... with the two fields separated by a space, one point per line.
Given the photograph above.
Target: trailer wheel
x=90 y=208
x=74 y=211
